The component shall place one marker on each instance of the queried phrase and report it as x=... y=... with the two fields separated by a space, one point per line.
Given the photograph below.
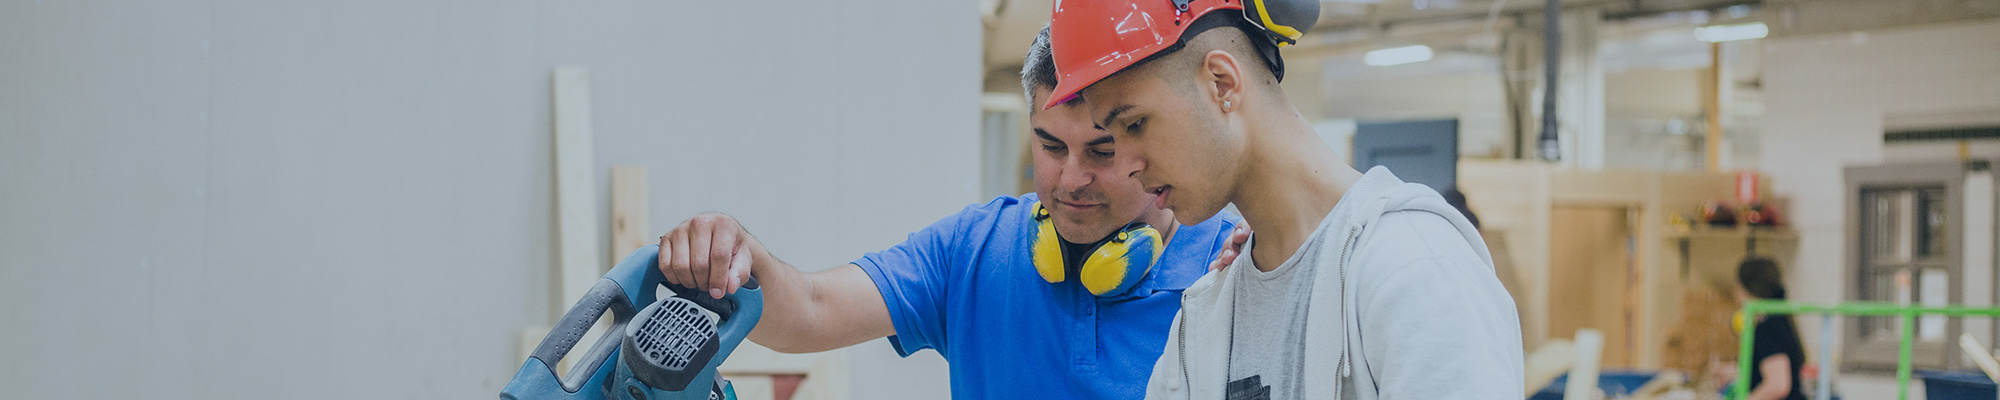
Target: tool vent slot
x=671 y=336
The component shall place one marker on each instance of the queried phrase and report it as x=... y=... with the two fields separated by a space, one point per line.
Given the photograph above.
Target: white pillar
x=1580 y=101
x=1976 y=279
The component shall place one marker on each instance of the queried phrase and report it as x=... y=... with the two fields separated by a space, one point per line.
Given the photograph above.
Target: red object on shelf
x=1746 y=187
x=1759 y=214
x=1716 y=213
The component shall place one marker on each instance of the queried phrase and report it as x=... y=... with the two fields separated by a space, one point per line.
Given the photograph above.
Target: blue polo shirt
x=965 y=287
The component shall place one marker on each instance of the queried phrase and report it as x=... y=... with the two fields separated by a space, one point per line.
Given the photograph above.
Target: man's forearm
x=820 y=311
x=788 y=307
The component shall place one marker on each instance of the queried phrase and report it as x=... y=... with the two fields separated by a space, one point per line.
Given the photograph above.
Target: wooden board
x=580 y=262
x=629 y=227
x=577 y=248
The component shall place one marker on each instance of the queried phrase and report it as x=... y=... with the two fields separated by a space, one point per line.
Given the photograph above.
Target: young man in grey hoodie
x=1358 y=286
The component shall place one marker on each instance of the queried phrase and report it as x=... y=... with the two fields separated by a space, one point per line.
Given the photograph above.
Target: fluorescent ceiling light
x=1397 y=56
x=1726 y=33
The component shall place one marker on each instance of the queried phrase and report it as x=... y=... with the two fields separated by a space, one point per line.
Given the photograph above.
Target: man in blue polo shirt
x=969 y=286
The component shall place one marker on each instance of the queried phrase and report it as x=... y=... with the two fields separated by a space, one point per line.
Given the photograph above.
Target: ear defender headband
x=1285 y=20
x=1112 y=267
x=1257 y=20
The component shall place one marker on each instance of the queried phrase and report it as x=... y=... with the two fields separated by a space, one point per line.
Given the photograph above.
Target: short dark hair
x=1760 y=277
x=1225 y=30
x=1038 y=71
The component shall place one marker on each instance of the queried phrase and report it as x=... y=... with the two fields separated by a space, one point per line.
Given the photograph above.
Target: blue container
x=1613 y=383
x=1958 y=385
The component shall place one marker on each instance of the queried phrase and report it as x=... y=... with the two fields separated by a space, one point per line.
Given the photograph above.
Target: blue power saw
x=666 y=350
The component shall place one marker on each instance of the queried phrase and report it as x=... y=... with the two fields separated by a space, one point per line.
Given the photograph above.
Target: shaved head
x=1179 y=67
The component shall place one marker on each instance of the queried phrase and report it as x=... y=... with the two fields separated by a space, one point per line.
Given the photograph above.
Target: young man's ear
x=1222 y=78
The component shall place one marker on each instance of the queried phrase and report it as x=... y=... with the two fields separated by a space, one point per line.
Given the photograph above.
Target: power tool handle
x=724 y=307
x=629 y=286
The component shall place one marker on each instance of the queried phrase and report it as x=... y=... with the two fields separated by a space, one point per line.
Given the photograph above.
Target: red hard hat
x=1092 y=39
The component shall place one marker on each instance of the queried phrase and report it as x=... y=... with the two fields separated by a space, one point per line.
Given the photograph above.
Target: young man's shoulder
x=1423 y=232
x=1405 y=239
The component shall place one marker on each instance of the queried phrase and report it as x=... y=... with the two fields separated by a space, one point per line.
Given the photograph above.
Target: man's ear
x=1222 y=80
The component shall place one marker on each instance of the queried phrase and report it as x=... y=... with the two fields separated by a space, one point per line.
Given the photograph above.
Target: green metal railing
x=1906 y=338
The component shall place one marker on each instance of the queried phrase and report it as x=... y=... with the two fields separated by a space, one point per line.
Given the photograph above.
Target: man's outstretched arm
x=803 y=312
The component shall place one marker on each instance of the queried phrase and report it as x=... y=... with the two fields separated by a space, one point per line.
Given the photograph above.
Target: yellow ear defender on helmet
x=1111 y=268
x=1285 y=20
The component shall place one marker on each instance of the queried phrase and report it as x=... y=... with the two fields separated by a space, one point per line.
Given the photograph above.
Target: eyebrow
x=1114 y=114
x=1046 y=136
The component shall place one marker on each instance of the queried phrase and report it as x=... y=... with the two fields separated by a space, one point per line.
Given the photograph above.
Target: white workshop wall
x=1456 y=85
x=1827 y=97
x=246 y=199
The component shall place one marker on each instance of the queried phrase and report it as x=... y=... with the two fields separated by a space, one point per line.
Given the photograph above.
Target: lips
x=1075 y=205
x=1160 y=195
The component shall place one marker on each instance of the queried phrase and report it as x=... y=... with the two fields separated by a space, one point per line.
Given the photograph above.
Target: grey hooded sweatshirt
x=1405 y=305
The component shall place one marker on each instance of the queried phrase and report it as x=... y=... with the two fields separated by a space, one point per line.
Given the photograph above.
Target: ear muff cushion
x=1121 y=263
x=1048 y=257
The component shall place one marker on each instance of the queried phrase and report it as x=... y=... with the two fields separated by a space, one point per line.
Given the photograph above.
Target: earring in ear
x=1225 y=105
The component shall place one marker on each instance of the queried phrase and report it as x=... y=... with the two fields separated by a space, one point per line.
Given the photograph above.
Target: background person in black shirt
x=1776 y=348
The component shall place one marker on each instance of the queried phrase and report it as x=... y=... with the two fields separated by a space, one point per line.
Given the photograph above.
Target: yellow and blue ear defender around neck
x=1112 y=267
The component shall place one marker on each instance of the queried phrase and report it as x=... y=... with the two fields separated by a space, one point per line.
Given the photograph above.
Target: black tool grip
x=722 y=307
x=606 y=296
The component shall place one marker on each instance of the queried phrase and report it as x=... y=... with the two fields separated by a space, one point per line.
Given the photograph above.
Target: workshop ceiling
x=1011 y=24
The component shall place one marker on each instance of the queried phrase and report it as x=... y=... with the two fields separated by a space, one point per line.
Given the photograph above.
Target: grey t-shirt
x=1267 y=341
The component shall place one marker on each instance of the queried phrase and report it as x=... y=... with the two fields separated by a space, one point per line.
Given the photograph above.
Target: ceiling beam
x=1385 y=18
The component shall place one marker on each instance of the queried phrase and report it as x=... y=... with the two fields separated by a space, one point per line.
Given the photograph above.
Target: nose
x=1128 y=162
x=1074 y=175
